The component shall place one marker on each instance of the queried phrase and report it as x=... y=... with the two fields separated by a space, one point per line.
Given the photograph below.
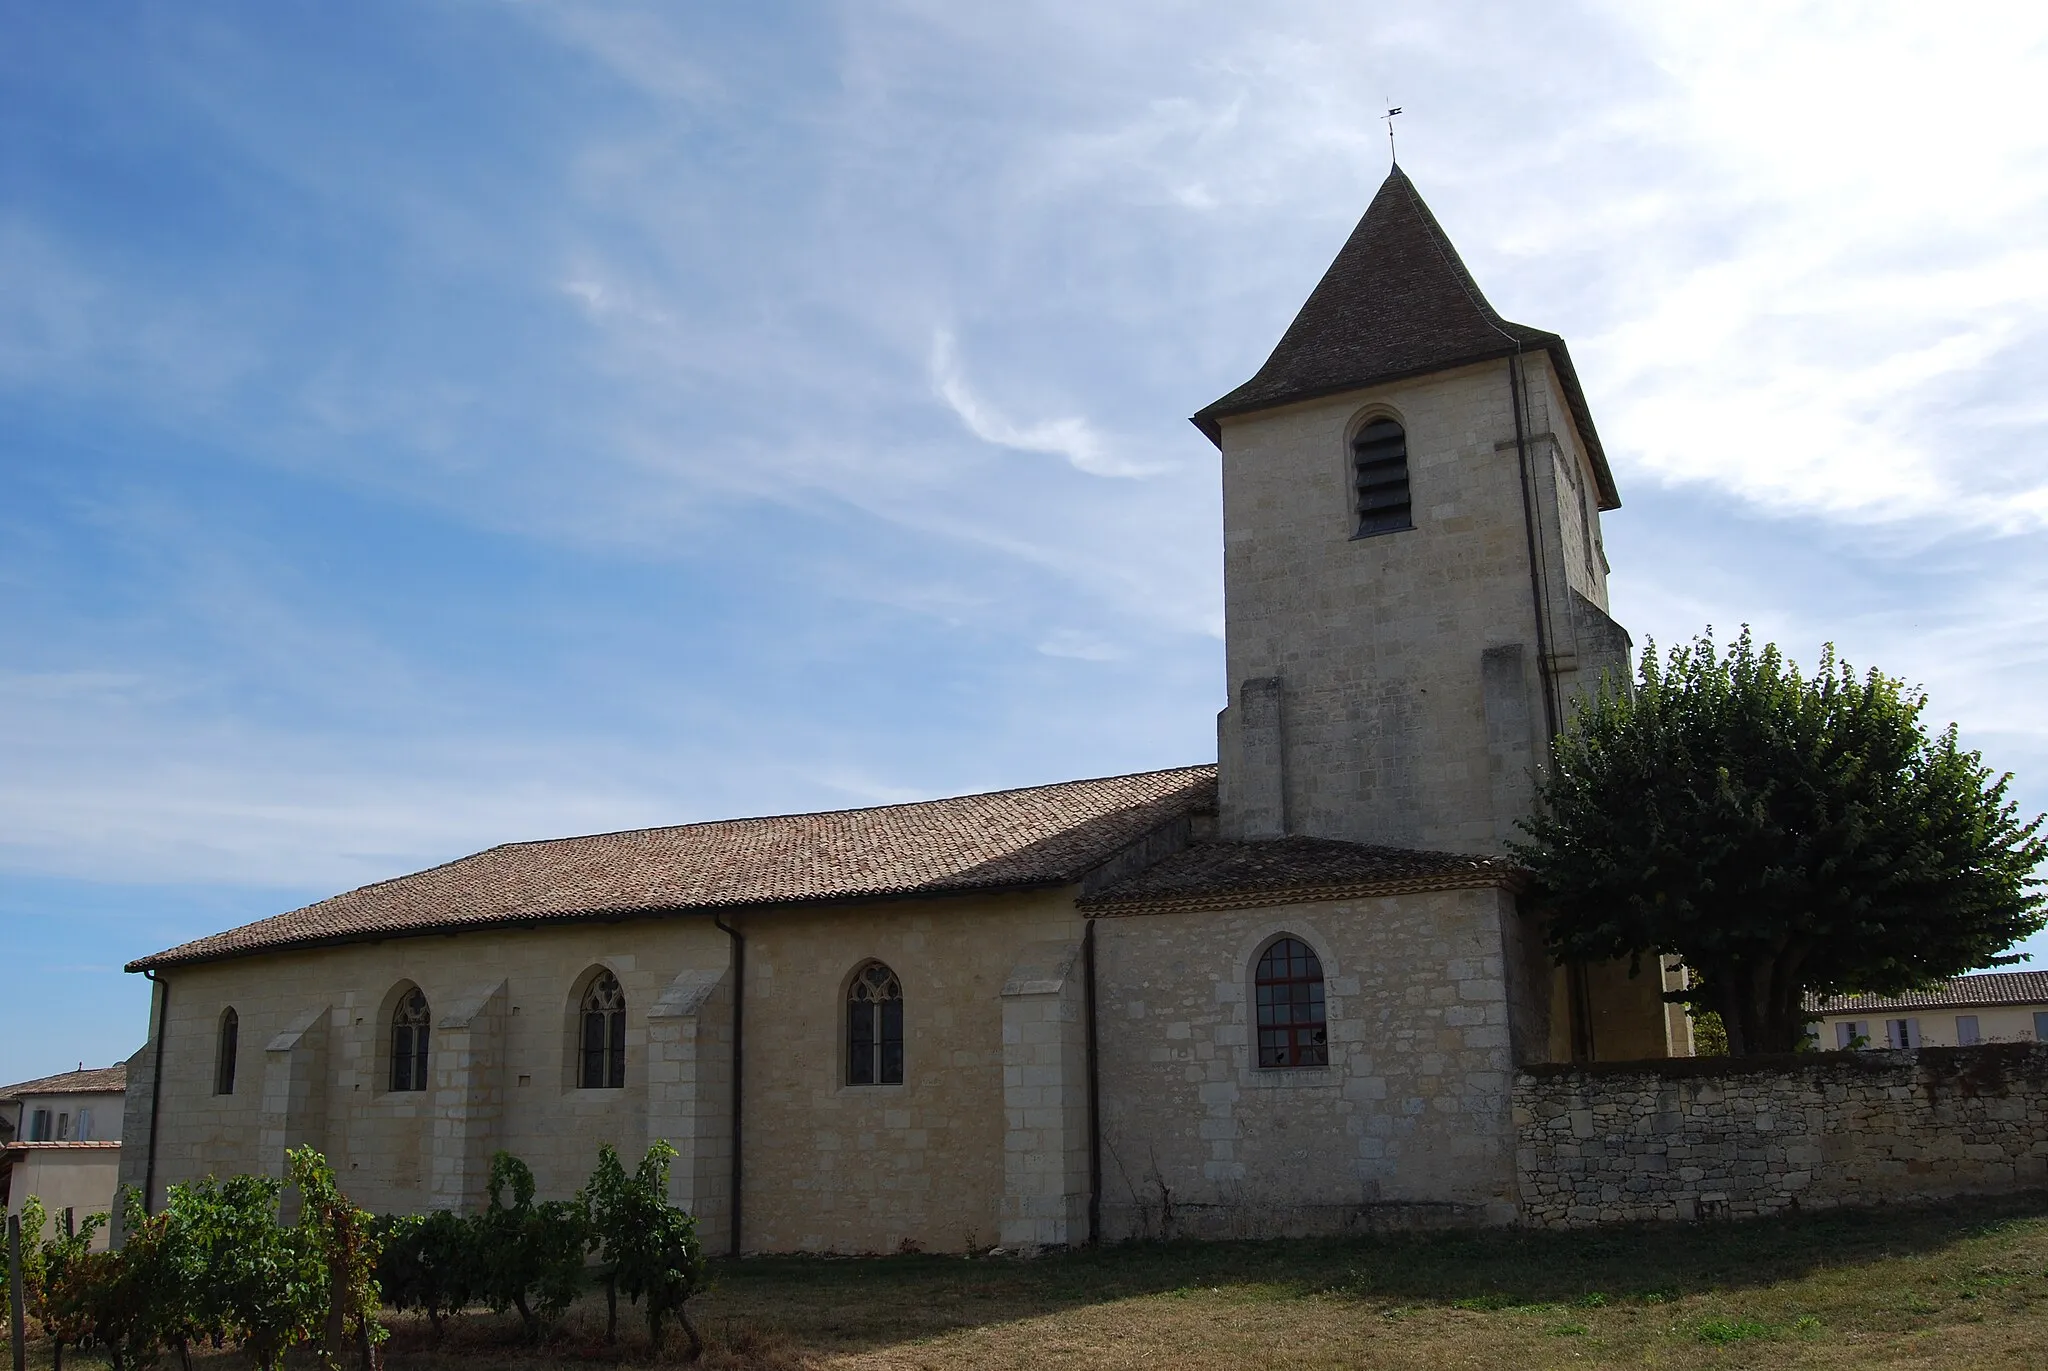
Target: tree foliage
x=530 y=1255
x=429 y=1263
x=1782 y=835
x=649 y=1246
x=216 y=1264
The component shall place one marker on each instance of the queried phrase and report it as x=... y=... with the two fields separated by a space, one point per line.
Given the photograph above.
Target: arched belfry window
x=224 y=1052
x=1379 y=458
x=604 y=1034
x=410 y=1025
x=1289 y=994
x=874 y=1027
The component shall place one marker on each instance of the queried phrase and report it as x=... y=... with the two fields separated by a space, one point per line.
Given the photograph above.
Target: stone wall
x=978 y=1144
x=1387 y=689
x=1408 y=1125
x=1718 y=1137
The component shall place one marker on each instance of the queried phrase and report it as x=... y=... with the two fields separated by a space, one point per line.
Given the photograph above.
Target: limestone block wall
x=314 y=1060
x=1377 y=647
x=832 y=1167
x=1045 y=1099
x=928 y=1163
x=1720 y=1137
x=1408 y=1124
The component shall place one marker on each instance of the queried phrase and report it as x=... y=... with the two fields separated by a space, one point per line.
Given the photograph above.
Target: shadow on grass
x=854 y=1304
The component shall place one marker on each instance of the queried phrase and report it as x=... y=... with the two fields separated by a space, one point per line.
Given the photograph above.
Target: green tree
x=343 y=1240
x=428 y=1262
x=265 y=1285
x=649 y=1246
x=530 y=1255
x=33 y=1220
x=1783 y=836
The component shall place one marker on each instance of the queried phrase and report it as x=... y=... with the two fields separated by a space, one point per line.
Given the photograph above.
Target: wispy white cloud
x=1072 y=438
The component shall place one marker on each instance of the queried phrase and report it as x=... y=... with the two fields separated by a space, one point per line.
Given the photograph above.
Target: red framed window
x=1289 y=993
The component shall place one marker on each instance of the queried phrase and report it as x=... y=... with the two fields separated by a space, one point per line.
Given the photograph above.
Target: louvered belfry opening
x=1380 y=455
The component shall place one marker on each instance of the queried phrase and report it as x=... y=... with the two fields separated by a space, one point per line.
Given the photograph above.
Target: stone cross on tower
x=1414 y=583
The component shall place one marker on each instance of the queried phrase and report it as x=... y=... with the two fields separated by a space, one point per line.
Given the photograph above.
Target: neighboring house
x=1281 y=994
x=1991 y=1007
x=64 y=1146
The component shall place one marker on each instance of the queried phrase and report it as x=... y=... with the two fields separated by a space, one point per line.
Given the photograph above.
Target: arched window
x=1289 y=988
x=224 y=1053
x=604 y=1034
x=410 y=1024
x=1379 y=457
x=874 y=1027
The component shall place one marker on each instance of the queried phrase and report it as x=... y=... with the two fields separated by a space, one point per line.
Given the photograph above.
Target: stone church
x=1283 y=994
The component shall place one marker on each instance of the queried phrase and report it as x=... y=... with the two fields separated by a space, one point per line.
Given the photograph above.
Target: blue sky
x=434 y=424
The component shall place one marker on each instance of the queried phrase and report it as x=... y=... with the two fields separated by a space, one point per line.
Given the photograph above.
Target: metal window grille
x=874 y=1028
x=410 y=1024
x=604 y=1034
x=1379 y=457
x=224 y=1059
x=1289 y=992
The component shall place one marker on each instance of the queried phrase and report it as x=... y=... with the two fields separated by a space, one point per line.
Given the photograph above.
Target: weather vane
x=1389 y=117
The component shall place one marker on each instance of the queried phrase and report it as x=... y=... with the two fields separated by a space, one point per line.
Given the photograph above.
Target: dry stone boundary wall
x=1695 y=1138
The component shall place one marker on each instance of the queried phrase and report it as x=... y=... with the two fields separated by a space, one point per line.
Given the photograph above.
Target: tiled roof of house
x=1985 y=990
x=1397 y=302
x=95 y=1080
x=1241 y=875
x=1009 y=839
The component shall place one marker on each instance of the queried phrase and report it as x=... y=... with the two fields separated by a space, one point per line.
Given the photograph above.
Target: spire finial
x=1389 y=117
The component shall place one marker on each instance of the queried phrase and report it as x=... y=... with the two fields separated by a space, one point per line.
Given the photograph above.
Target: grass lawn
x=1963 y=1284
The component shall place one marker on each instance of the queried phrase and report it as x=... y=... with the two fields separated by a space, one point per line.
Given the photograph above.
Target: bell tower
x=1414 y=583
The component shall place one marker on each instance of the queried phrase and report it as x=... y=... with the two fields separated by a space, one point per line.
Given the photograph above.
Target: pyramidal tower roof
x=1397 y=302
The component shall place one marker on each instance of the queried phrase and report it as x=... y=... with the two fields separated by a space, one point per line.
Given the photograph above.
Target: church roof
x=1270 y=871
x=1397 y=302
x=93 y=1080
x=1042 y=836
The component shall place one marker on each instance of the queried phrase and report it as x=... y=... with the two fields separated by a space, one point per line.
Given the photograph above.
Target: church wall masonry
x=1386 y=689
x=1730 y=1138
x=1408 y=1124
x=314 y=1062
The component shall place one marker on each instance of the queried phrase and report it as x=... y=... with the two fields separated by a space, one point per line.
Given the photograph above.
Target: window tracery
x=604 y=1034
x=874 y=1027
x=411 y=1022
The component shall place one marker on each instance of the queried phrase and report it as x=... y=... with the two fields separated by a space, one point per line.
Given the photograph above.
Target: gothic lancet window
x=1289 y=991
x=224 y=1055
x=1379 y=456
x=410 y=1024
x=874 y=1027
x=604 y=1034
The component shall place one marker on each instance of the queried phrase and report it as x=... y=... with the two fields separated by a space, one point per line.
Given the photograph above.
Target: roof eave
x=1209 y=418
x=164 y=960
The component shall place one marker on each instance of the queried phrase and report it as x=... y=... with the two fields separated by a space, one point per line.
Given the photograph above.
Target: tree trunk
x=611 y=1308
x=526 y=1317
x=696 y=1343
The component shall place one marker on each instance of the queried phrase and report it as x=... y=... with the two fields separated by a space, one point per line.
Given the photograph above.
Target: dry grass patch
x=1957 y=1285
x=1963 y=1284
